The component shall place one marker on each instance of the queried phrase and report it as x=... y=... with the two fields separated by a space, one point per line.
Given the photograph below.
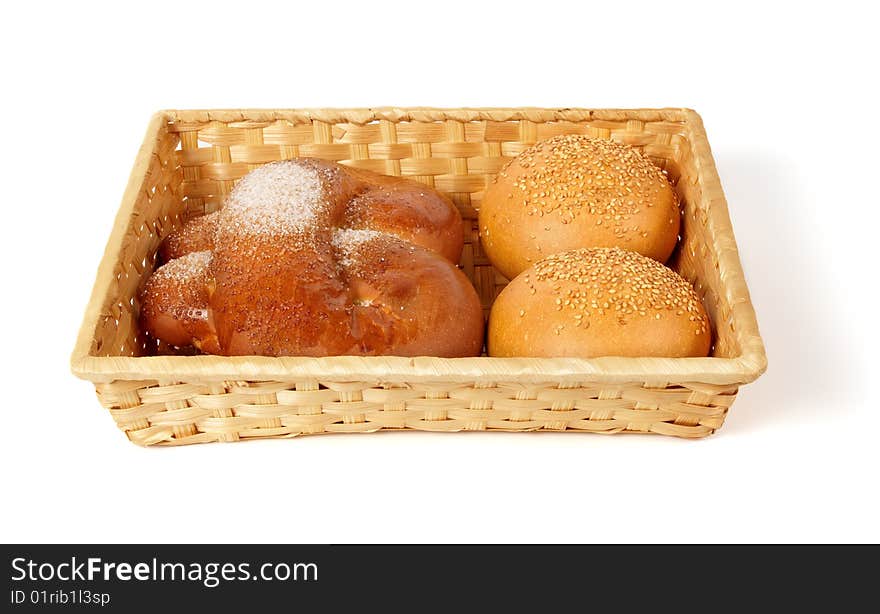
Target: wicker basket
x=191 y=159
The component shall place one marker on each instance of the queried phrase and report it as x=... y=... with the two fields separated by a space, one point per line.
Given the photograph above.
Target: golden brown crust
x=175 y=302
x=396 y=296
x=598 y=302
x=197 y=235
x=312 y=258
x=428 y=221
x=573 y=191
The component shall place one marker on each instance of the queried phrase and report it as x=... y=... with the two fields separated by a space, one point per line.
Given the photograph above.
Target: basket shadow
x=809 y=370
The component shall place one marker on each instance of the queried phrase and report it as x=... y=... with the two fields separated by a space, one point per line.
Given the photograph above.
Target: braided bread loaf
x=312 y=258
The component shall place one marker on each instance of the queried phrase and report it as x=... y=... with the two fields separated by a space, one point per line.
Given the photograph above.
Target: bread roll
x=598 y=302
x=311 y=258
x=573 y=191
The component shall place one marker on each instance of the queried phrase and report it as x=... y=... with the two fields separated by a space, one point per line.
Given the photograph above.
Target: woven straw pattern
x=191 y=159
x=197 y=413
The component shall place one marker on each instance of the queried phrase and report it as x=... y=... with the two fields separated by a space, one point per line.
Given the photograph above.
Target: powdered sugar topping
x=279 y=198
x=347 y=241
x=186 y=268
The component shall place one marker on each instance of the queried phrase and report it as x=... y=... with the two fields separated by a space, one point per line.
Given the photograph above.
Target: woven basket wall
x=191 y=159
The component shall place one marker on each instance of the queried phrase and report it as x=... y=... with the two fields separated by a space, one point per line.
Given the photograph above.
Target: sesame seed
x=635 y=286
x=574 y=175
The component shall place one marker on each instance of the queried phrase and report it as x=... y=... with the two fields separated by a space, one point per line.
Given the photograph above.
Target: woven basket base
x=177 y=414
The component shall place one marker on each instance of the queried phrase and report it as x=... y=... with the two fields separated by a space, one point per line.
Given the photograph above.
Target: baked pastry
x=308 y=257
x=598 y=302
x=574 y=191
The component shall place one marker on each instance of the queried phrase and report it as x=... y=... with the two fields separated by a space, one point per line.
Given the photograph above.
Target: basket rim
x=485 y=369
x=742 y=369
x=180 y=118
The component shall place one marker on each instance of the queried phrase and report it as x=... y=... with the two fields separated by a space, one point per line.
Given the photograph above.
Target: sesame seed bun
x=598 y=302
x=574 y=191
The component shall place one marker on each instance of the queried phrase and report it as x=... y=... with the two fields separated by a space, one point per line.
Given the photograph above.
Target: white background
x=786 y=96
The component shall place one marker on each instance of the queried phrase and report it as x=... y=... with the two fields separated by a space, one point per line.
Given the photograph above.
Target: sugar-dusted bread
x=309 y=257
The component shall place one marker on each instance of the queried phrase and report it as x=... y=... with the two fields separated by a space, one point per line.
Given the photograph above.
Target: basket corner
x=754 y=363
